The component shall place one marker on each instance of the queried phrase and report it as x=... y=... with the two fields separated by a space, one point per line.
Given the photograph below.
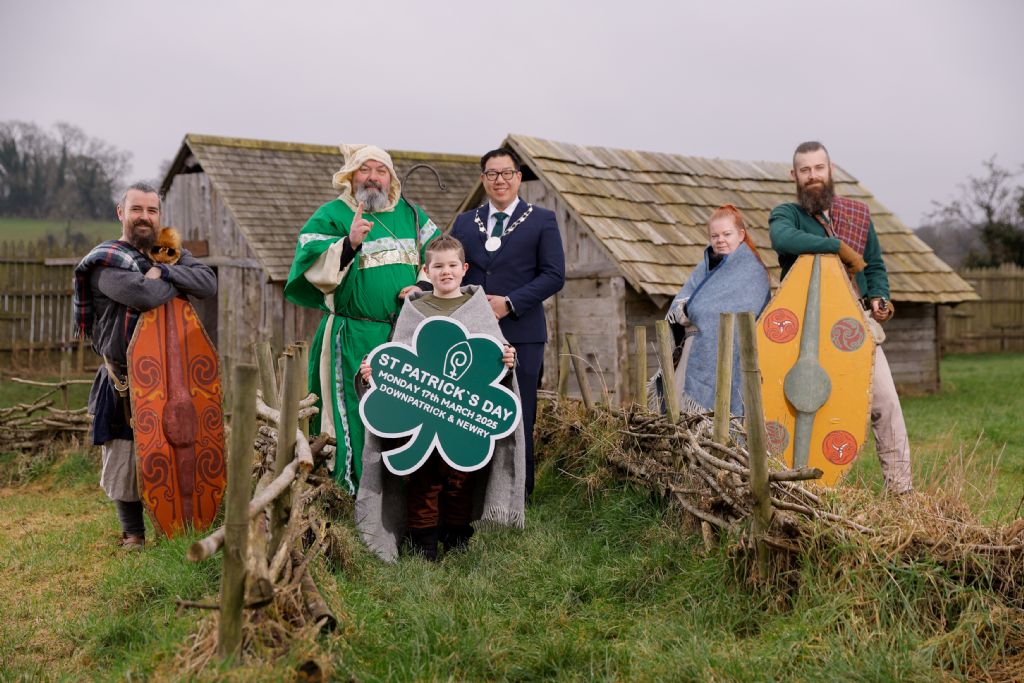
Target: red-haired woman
x=731 y=278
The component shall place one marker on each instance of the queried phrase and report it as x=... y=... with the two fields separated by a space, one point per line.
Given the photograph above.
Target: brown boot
x=132 y=541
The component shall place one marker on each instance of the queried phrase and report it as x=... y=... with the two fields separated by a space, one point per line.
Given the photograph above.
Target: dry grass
x=925 y=556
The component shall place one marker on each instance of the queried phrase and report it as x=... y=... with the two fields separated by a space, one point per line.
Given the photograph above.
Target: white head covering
x=356 y=156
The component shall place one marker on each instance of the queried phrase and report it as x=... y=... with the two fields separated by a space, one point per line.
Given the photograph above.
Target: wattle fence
x=35 y=308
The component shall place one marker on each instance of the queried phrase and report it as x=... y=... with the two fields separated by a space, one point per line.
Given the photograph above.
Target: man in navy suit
x=514 y=252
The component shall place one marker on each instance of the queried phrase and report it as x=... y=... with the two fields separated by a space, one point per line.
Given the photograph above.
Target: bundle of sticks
x=711 y=483
x=28 y=426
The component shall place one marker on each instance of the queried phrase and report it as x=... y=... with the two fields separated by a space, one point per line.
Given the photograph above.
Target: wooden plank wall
x=193 y=205
x=993 y=324
x=640 y=310
x=912 y=347
x=36 y=319
x=591 y=305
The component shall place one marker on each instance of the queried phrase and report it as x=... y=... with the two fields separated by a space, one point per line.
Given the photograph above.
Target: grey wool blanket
x=737 y=284
x=499 y=488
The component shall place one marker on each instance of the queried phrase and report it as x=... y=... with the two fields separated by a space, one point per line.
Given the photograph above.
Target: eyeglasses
x=507 y=174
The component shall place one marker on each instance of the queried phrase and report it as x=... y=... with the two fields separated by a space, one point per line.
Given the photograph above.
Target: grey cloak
x=499 y=489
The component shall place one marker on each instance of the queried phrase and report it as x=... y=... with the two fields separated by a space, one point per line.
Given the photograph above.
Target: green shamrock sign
x=443 y=392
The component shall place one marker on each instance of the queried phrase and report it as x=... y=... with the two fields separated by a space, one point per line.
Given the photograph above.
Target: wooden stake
x=304 y=373
x=723 y=385
x=65 y=370
x=668 y=370
x=563 y=370
x=756 y=439
x=640 y=386
x=292 y=384
x=206 y=547
x=236 y=517
x=581 y=372
x=268 y=375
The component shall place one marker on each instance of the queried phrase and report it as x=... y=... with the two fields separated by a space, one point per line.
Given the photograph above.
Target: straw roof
x=271 y=188
x=648 y=211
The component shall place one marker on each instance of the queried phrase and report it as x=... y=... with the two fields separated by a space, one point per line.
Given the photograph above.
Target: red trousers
x=437 y=493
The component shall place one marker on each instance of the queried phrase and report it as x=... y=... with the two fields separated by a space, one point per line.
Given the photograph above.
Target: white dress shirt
x=508 y=211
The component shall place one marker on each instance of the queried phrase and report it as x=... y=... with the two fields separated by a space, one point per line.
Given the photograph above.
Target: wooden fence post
x=563 y=370
x=292 y=381
x=723 y=374
x=268 y=374
x=236 y=512
x=80 y=360
x=65 y=372
x=753 y=411
x=640 y=387
x=303 y=371
x=581 y=372
x=668 y=370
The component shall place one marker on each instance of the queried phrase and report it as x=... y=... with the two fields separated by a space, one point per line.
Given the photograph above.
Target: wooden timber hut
x=241 y=203
x=633 y=225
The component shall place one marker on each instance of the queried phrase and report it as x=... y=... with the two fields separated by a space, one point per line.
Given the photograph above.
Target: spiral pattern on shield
x=148 y=375
x=781 y=325
x=203 y=371
x=848 y=334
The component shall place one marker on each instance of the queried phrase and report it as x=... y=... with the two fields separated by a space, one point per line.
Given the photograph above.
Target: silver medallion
x=492 y=244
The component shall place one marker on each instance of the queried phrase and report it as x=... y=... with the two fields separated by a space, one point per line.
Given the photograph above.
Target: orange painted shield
x=816 y=354
x=175 y=390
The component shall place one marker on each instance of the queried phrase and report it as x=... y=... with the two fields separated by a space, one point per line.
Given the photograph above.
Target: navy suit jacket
x=528 y=268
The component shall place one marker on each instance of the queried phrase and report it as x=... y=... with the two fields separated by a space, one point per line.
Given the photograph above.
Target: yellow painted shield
x=816 y=354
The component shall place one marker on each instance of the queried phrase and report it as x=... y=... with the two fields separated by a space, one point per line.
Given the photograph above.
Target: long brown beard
x=818 y=200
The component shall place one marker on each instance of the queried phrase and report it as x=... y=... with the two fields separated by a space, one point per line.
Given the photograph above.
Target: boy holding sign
x=436 y=502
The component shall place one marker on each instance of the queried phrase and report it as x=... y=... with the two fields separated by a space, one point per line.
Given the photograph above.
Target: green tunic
x=794 y=232
x=359 y=311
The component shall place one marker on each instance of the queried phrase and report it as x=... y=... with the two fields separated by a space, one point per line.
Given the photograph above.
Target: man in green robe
x=357 y=258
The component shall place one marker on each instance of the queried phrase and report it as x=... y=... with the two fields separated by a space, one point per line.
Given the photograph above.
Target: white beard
x=373 y=200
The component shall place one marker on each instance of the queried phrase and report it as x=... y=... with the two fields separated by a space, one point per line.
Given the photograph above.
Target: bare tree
x=991 y=207
x=64 y=174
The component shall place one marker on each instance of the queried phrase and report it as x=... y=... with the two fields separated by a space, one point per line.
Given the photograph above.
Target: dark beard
x=142 y=241
x=372 y=195
x=817 y=200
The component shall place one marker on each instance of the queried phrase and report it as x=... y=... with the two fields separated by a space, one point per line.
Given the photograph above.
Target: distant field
x=32 y=230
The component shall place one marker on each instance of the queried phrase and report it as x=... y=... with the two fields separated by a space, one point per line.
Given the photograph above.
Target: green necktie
x=499 y=224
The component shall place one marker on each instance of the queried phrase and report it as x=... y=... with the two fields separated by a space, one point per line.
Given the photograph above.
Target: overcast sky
x=909 y=96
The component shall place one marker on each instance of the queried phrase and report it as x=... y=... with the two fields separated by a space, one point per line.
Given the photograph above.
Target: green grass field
x=32 y=230
x=598 y=587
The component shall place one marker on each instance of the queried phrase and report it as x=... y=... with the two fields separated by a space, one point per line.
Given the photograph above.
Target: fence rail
x=996 y=322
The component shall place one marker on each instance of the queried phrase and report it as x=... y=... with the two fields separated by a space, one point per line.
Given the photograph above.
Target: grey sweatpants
x=890 y=430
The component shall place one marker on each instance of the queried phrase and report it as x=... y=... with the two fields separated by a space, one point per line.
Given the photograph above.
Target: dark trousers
x=438 y=493
x=531 y=363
